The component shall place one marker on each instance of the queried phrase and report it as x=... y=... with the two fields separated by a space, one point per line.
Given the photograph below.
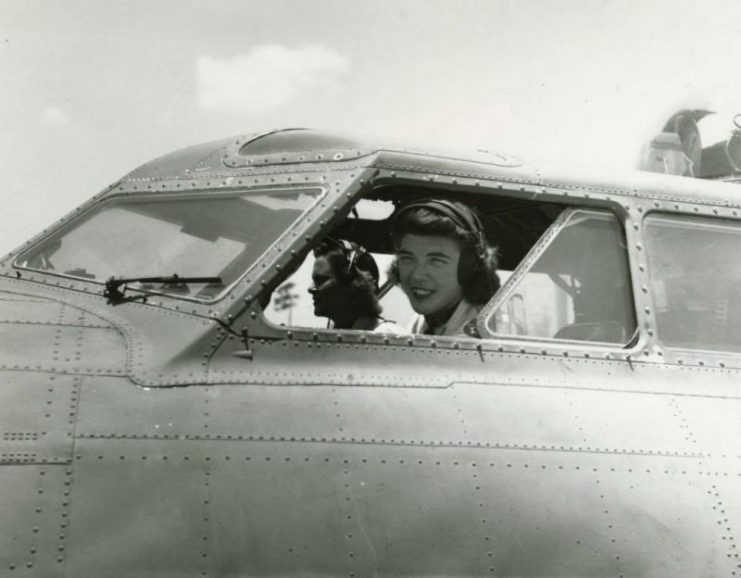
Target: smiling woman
x=445 y=265
x=428 y=272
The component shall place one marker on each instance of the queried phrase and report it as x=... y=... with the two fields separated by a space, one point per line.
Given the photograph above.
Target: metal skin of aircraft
x=168 y=427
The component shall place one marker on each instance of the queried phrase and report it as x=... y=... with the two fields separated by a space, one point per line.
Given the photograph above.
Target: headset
x=474 y=258
x=358 y=259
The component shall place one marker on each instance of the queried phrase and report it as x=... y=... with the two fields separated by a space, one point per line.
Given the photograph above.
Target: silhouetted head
x=344 y=283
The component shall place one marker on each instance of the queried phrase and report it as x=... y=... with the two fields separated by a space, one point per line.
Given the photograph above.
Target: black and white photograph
x=370 y=288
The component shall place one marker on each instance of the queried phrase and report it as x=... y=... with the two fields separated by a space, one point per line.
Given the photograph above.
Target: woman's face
x=323 y=288
x=428 y=272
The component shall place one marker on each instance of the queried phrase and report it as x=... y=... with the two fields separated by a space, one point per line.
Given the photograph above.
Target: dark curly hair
x=356 y=269
x=478 y=277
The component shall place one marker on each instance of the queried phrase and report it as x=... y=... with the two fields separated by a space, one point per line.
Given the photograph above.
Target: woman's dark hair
x=355 y=268
x=477 y=268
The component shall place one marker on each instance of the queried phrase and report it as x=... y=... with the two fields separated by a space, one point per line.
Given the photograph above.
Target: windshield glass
x=191 y=236
x=578 y=288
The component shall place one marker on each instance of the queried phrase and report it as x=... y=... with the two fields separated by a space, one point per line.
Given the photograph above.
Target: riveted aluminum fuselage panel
x=37 y=415
x=137 y=509
x=51 y=335
x=253 y=507
x=35 y=522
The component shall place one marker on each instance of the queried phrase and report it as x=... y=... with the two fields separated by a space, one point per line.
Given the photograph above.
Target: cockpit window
x=565 y=271
x=512 y=226
x=190 y=236
x=575 y=285
x=695 y=281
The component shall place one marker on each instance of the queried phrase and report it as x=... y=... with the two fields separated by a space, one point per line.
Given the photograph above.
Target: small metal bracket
x=247 y=353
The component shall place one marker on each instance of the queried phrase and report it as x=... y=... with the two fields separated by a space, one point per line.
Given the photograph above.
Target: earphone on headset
x=358 y=259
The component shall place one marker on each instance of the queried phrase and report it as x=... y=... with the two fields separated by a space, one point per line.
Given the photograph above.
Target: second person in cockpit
x=345 y=287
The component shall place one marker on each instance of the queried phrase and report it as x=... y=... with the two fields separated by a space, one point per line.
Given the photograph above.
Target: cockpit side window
x=511 y=226
x=574 y=286
x=564 y=271
x=695 y=281
x=189 y=234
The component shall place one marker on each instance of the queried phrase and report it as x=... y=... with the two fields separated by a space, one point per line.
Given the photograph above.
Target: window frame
x=69 y=224
x=681 y=353
x=526 y=265
x=487 y=339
